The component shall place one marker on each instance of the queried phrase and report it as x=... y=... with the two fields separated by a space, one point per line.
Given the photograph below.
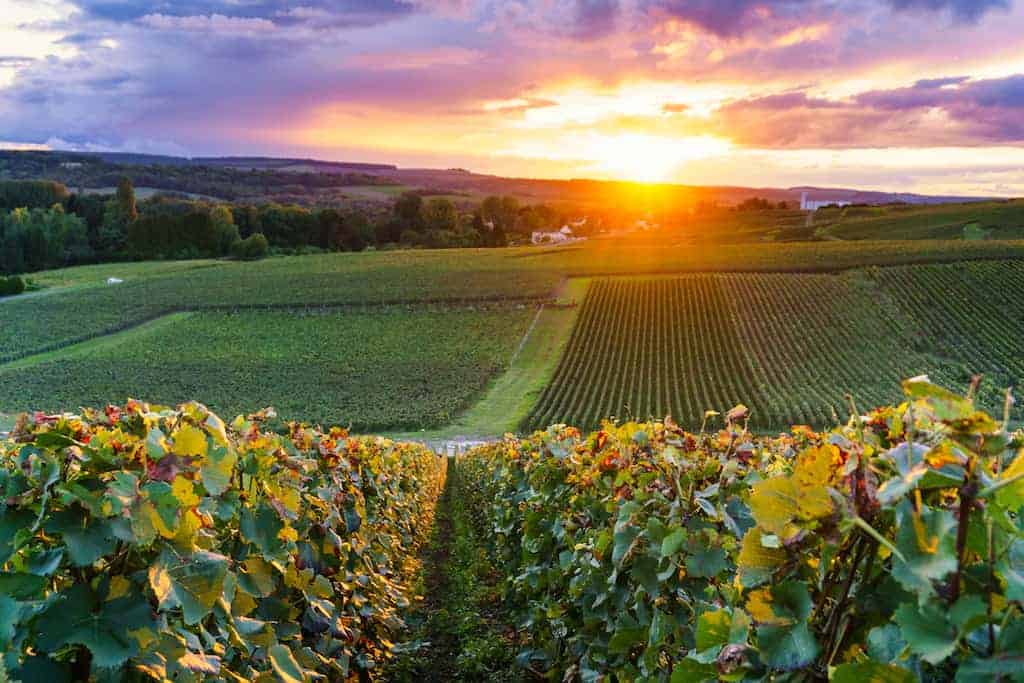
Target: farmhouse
x=555 y=237
x=813 y=205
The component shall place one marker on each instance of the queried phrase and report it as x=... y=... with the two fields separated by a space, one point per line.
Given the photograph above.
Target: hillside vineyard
x=793 y=348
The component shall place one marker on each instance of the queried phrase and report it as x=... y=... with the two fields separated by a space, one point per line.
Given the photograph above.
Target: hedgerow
x=154 y=543
x=891 y=549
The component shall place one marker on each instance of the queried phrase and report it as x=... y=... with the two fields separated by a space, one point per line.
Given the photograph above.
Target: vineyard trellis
x=792 y=347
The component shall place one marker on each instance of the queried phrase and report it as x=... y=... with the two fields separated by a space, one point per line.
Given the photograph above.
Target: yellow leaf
x=759 y=604
x=184 y=491
x=775 y=504
x=119 y=587
x=189 y=441
x=215 y=425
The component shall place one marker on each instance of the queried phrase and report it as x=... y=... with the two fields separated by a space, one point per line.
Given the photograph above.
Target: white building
x=557 y=237
x=813 y=205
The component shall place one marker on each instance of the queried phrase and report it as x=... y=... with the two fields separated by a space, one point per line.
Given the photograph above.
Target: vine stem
x=967 y=494
x=882 y=540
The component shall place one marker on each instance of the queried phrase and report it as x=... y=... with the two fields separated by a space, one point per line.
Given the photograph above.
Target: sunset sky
x=903 y=95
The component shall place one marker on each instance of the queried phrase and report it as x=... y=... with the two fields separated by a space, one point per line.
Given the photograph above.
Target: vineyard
x=790 y=347
x=393 y=367
x=888 y=550
x=144 y=543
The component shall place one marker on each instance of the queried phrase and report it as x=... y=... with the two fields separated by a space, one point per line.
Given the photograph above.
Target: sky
x=898 y=95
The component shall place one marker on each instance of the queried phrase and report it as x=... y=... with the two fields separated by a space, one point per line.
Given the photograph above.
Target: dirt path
x=456 y=632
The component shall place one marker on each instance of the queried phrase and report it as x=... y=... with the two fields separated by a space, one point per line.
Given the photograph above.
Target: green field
x=395 y=367
x=791 y=347
x=1003 y=220
x=782 y=327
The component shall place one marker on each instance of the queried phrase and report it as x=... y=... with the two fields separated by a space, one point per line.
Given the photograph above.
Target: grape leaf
x=108 y=628
x=193 y=582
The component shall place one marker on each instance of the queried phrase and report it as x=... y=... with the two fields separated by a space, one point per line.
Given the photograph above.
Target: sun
x=649 y=158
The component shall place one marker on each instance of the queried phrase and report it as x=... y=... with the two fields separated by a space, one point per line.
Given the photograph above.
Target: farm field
x=1002 y=220
x=65 y=316
x=394 y=367
x=78 y=325
x=790 y=347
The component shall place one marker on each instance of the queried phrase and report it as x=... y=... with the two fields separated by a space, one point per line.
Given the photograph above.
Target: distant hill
x=315 y=181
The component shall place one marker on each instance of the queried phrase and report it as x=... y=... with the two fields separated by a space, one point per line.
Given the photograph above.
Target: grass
x=458 y=630
x=395 y=367
x=512 y=394
x=1001 y=220
x=97 y=274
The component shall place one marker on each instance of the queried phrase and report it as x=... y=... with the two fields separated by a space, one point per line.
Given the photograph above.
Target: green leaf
x=42 y=669
x=885 y=643
x=1011 y=568
x=85 y=538
x=9 y=611
x=787 y=647
x=261 y=528
x=713 y=629
x=11 y=521
x=927 y=632
x=45 y=563
x=871 y=672
x=690 y=671
x=79 y=617
x=165 y=507
x=673 y=542
x=787 y=642
x=706 y=562
x=216 y=468
x=285 y=667
x=195 y=582
x=929 y=545
x=21 y=586
x=625 y=535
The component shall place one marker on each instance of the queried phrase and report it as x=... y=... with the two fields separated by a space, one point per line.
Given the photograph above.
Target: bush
x=155 y=543
x=889 y=549
x=10 y=286
x=252 y=248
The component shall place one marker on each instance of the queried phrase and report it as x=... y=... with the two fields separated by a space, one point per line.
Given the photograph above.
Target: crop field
x=67 y=316
x=779 y=292
x=1002 y=220
x=790 y=347
x=394 y=367
x=655 y=256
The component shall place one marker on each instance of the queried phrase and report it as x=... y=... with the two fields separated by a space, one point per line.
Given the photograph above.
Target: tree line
x=43 y=225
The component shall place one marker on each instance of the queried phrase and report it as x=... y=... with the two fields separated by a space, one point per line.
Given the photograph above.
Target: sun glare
x=646 y=158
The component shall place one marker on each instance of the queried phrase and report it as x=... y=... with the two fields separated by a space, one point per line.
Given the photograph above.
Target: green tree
x=225 y=232
x=409 y=211
x=440 y=214
x=126 y=199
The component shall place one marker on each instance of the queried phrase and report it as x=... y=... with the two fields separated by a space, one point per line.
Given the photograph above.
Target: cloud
x=211 y=23
x=416 y=59
x=933 y=112
x=734 y=17
x=969 y=10
x=596 y=18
